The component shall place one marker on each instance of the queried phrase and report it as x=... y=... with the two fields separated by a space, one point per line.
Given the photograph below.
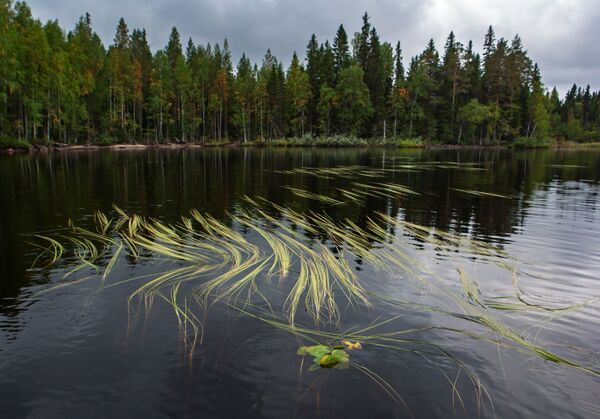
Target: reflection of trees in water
x=41 y=192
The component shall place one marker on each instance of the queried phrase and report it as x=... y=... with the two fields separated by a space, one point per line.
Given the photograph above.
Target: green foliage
x=328 y=101
x=71 y=89
x=471 y=118
x=298 y=93
x=326 y=356
x=309 y=141
x=339 y=141
x=533 y=142
x=106 y=140
x=406 y=142
x=12 y=143
x=353 y=100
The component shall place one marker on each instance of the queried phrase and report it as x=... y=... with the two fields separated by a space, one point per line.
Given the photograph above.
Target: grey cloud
x=559 y=34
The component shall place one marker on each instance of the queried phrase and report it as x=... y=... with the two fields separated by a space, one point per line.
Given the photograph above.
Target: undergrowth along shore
x=334 y=141
x=11 y=145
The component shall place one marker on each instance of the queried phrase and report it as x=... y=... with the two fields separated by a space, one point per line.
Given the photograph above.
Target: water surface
x=72 y=351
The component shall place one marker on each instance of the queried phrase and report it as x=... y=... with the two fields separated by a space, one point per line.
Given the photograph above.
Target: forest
x=59 y=87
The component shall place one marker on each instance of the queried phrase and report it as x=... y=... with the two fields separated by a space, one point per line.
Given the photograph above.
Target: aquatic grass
x=396 y=189
x=342 y=172
x=481 y=193
x=446 y=241
x=55 y=248
x=355 y=197
x=220 y=264
x=282 y=259
x=522 y=301
x=311 y=195
x=186 y=320
x=476 y=308
x=384 y=340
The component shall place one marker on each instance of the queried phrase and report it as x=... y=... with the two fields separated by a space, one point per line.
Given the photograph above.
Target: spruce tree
x=341 y=51
x=313 y=71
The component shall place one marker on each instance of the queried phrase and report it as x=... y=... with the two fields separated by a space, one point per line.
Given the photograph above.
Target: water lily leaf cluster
x=325 y=356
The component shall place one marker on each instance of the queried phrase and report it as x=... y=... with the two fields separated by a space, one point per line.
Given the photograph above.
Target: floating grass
x=481 y=193
x=209 y=260
x=314 y=196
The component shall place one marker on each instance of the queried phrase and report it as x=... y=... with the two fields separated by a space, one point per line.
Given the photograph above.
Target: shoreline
x=177 y=146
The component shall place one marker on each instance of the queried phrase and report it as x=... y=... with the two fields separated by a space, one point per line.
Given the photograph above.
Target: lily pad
x=326 y=356
x=317 y=351
x=338 y=355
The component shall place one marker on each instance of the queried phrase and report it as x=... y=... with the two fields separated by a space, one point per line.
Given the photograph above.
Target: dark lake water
x=495 y=315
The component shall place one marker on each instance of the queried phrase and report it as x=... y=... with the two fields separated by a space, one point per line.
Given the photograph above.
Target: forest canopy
x=70 y=88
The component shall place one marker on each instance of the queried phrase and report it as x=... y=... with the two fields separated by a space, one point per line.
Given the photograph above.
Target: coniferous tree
x=245 y=85
x=313 y=58
x=327 y=65
x=142 y=72
x=361 y=43
x=298 y=94
x=399 y=94
x=375 y=79
x=121 y=80
x=341 y=51
x=85 y=103
x=451 y=88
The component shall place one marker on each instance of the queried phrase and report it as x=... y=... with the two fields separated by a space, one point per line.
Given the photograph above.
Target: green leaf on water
x=318 y=350
x=326 y=357
x=338 y=356
x=326 y=360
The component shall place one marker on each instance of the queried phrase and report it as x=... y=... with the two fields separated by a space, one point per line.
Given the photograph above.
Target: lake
x=470 y=278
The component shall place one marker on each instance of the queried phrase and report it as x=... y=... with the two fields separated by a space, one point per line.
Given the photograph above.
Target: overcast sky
x=563 y=36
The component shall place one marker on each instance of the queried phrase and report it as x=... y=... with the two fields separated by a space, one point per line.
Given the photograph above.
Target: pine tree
x=375 y=79
x=245 y=85
x=489 y=43
x=142 y=64
x=298 y=94
x=327 y=65
x=398 y=66
x=59 y=80
x=362 y=47
x=452 y=86
x=85 y=103
x=159 y=104
x=180 y=80
x=313 y=71
x=121 y=79
x=341 y=51
x=399 y=94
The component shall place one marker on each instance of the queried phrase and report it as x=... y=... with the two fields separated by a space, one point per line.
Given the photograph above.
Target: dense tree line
x=70 y=88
